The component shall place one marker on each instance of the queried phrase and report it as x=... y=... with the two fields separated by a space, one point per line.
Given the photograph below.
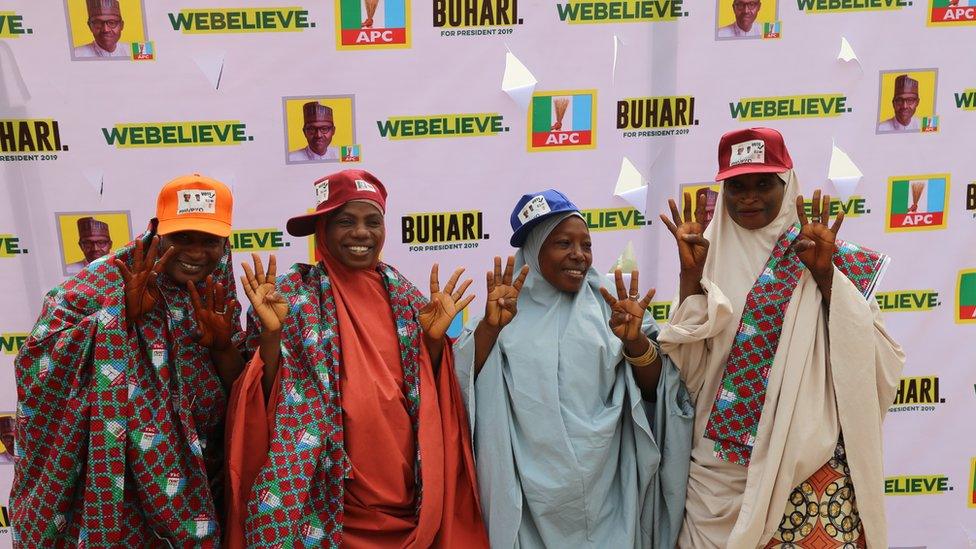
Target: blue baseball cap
x=532 y=208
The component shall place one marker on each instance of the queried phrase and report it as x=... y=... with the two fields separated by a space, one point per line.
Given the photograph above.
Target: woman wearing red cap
x=785 y=354
x=347 y=427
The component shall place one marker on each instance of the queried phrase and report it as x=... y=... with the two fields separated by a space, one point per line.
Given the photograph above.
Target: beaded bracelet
x=645 y=359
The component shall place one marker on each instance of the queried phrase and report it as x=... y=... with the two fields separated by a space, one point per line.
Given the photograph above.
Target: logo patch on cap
x=191 y=201
x=534 y=208
x=748 y=152
x=365 y=186
x=321 y=192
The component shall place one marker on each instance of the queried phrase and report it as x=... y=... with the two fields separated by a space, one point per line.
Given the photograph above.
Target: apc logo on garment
x=789 y=106
x=443 y=230
x=10 y=246
x=614 y=219
x=12 y=26
x=562 y=120
x=917 y=394
x=258 y=240
x=471 y=16
x=917 y=202
x=40 y=136
x=620 y=11
x=944 y=13
x=196 y=133
x=442 y=125
x=917 y=485
x=966 y=297
x=240 y=20
x=11 y=342
x=908 y=300
x=656 y=116
x=854 y=206
x=372 y=24
x=841 y=6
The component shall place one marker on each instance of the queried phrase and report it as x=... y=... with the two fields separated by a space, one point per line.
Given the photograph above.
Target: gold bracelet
x=645 y=359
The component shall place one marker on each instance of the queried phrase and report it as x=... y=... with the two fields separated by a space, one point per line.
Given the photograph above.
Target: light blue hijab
x=565 y=450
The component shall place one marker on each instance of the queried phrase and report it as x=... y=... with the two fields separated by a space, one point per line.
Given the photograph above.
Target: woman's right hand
x=270 y=306
x=688 y=233
x=501 y=304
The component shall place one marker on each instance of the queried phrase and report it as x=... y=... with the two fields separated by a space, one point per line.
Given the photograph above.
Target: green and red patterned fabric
x=117 y=425
x=297 y=498
x=734 y=419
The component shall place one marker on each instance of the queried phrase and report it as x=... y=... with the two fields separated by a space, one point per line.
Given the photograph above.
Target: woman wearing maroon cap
x=347 y=427
x=786 y=357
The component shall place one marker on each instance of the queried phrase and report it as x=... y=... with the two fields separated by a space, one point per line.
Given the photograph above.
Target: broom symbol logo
x=561 y=104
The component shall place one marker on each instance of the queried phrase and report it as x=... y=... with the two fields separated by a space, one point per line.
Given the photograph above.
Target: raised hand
x=141 y=292
x=214 y=314
x=627 y=310
x=816 y=242
x=259 y=287
x=436 y=316
x=688 y=233
x=501 y=305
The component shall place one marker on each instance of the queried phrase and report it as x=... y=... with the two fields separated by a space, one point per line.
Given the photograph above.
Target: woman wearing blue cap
x=567 y=455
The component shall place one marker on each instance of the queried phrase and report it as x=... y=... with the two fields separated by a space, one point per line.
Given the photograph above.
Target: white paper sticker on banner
x=518 y=82
x=846 y=51
x=843 y=173
x=212 y=66
x=191 y=201
x=631 y=186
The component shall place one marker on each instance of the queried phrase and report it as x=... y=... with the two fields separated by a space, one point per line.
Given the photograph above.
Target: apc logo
x=966 y=297
x=562 y=120
x=362 y=24
x=917 y=202
x=972 y=483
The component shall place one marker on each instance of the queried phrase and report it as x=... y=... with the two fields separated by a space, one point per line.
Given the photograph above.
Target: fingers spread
x=521 y=278
x=618 y=277
x=801 y=212
x=435 y=285
x=607 y=297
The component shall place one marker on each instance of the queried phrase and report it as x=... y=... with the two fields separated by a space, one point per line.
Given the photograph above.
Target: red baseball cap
x=333 y=191
x=754 y=150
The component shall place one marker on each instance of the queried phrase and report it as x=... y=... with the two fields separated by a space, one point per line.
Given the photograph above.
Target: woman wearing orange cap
x=347 y=428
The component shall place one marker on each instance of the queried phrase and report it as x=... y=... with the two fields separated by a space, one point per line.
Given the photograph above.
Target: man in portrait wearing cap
x=94 y=240
x=904 y=102
x=744 y=26
x=106 y=24
x=121 y=387
x=783 y=348
x=319 y=128
x=8 y=427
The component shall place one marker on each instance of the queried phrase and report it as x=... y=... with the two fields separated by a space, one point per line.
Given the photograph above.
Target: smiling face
x=753 y=200
x=195 y=255
x=566 y=255
x=354 y=234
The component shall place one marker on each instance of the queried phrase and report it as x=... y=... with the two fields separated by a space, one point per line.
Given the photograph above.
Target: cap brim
x=729 y=173
x=304 y=225
x=209 y=226
x=519 y=236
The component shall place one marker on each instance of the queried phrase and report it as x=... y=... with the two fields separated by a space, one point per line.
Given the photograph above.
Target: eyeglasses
x=86 y=244
x=322 y=130
x=910 y=101
x=746 y=6
x=110 y=24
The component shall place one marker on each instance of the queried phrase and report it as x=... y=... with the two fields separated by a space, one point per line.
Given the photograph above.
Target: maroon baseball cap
x=333 y=191
x=755 y=150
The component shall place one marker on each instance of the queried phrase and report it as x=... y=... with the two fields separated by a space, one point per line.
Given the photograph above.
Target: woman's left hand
x=627 y=311
x=816 y=243
x=436 y=316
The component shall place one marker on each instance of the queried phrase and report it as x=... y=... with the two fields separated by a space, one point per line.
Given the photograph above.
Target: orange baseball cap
x=194 y=203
